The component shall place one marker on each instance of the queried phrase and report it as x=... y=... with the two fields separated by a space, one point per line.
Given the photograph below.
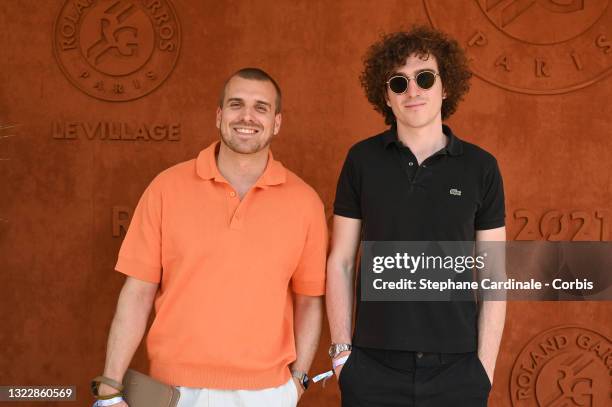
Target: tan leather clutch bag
x=141 y=390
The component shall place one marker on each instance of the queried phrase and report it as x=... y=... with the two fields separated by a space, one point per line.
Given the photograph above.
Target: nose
x=413 y=89
x=248 y=114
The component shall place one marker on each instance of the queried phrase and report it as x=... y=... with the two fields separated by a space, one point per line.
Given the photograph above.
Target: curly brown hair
x=391 y=51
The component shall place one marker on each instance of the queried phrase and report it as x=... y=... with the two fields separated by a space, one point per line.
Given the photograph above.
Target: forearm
x=492 y=314
x=126 y=332
x=339 y=300
x=491 y=321
x=308 y=318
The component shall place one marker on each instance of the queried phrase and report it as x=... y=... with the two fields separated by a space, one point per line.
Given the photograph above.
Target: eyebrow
x=262 y=102
x=259 y=102
x=418 y=71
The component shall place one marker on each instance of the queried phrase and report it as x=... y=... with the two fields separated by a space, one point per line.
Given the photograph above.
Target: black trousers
x=385 y=378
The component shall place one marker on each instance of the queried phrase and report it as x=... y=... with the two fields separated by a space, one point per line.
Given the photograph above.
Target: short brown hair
x=391 y=51
x=255 y=74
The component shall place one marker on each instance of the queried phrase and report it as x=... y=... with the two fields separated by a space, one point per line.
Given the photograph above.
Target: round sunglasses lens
x=426 y=79
x=398 y=84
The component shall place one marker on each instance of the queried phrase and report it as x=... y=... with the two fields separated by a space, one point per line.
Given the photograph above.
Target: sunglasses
x=424 y=80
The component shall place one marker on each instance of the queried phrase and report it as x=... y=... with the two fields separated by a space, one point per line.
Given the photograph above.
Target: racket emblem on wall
x=511 y=11
x=566 y=366
x=117 y=50
x=531 y=46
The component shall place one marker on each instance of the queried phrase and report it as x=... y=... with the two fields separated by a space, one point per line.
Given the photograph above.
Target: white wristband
x=339 y=361
x=323 y=376
x=109 y=402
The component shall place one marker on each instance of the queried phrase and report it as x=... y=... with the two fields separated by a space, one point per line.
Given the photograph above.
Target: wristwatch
x=302 y=377
x=336 y=348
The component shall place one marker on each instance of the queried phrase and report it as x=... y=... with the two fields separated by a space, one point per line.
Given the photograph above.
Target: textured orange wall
x=57 y=244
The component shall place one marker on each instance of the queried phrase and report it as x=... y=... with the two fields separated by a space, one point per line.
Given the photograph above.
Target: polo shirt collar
x=454 y=147
x=206 y=167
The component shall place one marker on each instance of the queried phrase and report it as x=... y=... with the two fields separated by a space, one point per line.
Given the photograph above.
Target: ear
x=218 y=120
x=387 y=99
x=277 y=123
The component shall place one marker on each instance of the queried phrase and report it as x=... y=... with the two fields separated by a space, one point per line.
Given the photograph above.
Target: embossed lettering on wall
x=121 y=216
x=117 y=50
x=565 y=366
x=558 y=225
x=111 y=131
x=531 y=46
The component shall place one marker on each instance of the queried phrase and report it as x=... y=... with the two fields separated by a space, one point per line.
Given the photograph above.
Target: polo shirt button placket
x=236 y=222
x=235 y=218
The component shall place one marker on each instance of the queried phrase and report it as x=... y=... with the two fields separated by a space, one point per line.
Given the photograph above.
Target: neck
x=422 y=141
x=241 y=170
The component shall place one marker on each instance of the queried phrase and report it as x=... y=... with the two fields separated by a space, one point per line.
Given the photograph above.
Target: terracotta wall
x=539 y=102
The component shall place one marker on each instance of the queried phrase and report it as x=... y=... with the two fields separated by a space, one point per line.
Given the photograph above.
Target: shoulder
x=174 y=175
x=474 y=151
x=368 y=145
x=367 y=149
x=478 y=155
x=301 y=192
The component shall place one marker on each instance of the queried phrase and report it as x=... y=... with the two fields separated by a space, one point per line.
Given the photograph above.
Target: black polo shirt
x=453 y=193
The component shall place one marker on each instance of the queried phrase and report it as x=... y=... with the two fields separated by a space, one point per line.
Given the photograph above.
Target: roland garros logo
x=567 y=366
x=531 y=46
x=117 y=50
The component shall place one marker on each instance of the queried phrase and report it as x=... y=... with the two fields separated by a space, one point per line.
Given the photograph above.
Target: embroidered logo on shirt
x=455 y=191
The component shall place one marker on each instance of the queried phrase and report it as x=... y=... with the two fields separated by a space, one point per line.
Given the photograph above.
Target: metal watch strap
x=336 y=348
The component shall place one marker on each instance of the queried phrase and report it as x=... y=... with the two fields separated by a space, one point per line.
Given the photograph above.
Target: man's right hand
x=339 y=368
x=105 y=390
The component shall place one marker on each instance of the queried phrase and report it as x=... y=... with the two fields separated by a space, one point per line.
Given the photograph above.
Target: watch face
x=305 y=381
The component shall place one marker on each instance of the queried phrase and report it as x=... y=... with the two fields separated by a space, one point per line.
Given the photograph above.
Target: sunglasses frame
x=408 y=78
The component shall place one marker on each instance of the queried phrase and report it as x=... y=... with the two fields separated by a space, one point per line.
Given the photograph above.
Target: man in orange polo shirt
x=230 y=248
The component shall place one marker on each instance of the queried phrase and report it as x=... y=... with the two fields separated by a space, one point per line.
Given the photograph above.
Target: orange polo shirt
x=227 y=269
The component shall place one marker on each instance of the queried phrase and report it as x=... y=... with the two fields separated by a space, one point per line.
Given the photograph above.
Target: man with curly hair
x=416 y=181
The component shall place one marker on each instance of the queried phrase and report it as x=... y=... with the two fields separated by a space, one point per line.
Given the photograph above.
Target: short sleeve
x=348 y=190
x=492 y=213
x=309 y=276
x=140 y=253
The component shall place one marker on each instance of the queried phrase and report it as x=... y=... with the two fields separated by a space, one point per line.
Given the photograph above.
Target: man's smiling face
x=247 y=121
